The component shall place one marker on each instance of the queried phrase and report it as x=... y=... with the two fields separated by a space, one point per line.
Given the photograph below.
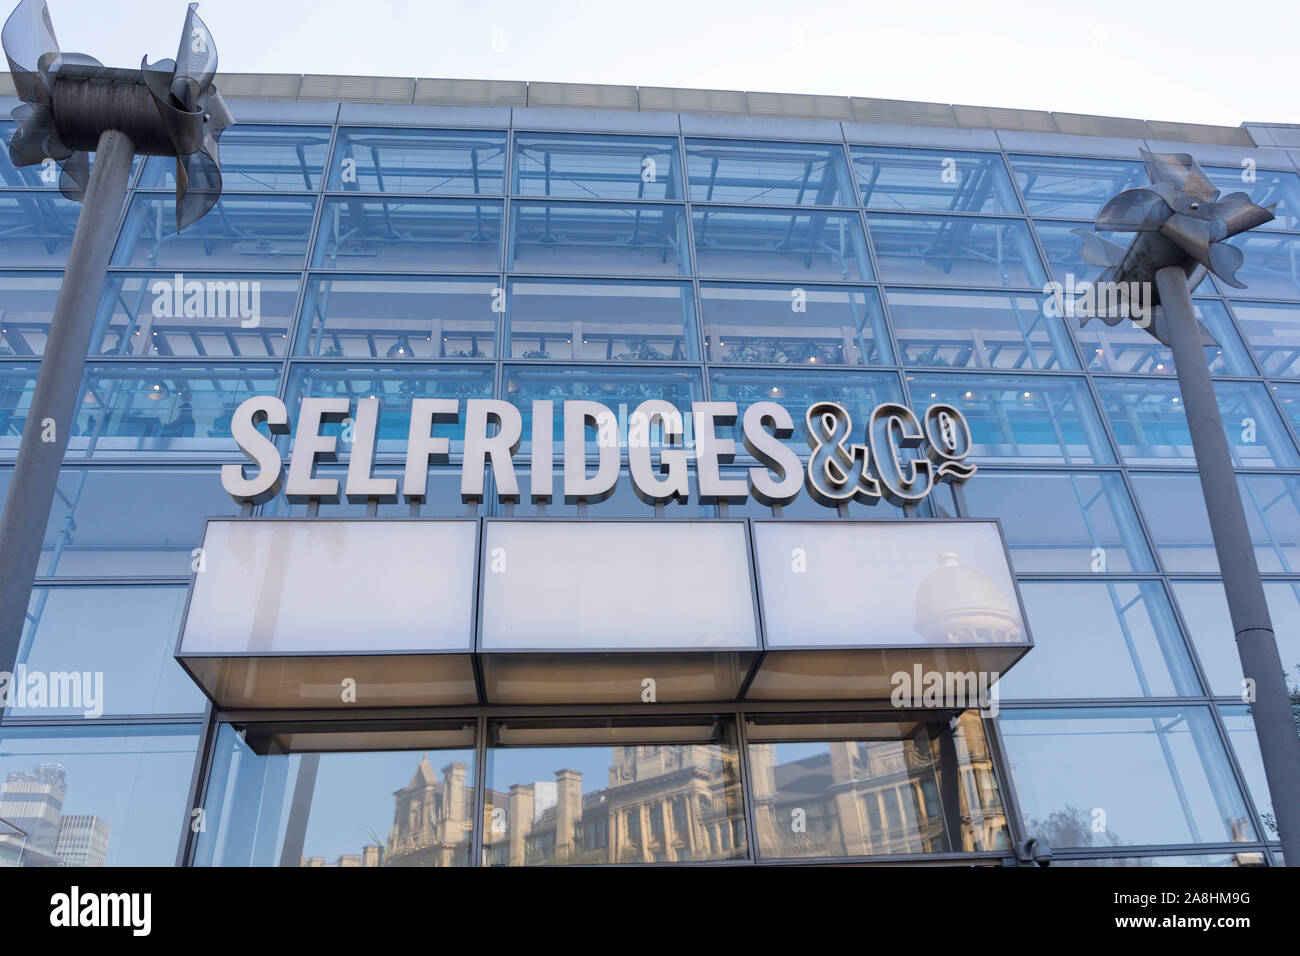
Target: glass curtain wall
x=363 y=260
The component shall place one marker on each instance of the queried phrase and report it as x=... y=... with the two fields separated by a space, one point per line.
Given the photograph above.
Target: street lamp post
x=72 y=105
x=1180 y=222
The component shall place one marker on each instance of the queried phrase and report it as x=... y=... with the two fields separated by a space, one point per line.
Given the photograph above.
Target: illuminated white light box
x=283 y=612
x=300 y=613
x=649 y=611
x=616 y=586
x=847 y=604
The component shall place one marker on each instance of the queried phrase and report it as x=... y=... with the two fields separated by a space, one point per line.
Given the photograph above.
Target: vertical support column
x=295 y=832
x=1260 y=662
x=949 y=784
x=58 y=385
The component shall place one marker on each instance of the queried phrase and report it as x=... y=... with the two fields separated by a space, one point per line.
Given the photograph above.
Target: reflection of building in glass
x=32 y=802
x=37 y=831
x=12 y=840
x=663 y=803
x=930 y=793
x=83 y=840
x=957 y=604
x=371 y=855
x=434 y=819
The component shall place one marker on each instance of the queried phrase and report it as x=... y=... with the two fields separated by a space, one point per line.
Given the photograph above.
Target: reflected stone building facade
x=876 y=798
x=662 y=804
x=433 y=820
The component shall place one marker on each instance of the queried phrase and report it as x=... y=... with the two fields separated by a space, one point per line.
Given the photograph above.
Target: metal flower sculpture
x=1180 y=221
x=58 y=89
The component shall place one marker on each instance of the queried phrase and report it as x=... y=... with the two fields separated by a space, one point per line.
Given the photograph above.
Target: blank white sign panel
x=318 y=586
x=885 y=584
x=620 y=585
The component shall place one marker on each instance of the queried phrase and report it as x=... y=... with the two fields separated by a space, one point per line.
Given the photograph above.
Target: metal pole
x=1260 y=663
x=58 y=385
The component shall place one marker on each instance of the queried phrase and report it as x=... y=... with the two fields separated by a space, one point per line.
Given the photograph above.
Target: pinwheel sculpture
x=1182 y=224
x=169 y=108
x=1180 y=221
x=72 y=106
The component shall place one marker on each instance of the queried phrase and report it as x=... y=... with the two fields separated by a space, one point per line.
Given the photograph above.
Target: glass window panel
x=819 y=325
x=240 y=233
x=606 y=239
x=333 y=795
x=1057 y=521
x=412 y=234
x=1205 y=612
x=116 y=645
x=1240 y=724
x=394 y=387
x=574 y=166
x=398 y=317
x=1063 y=245
x=1273 y=331
x=1100 y=639
x=255 y=157
x=858 y=787
x=1127 y=348
x=796 y=389
x=782 y=174
x=955 y=250
x=434 y=161
x=26 y=305
x=1073 y=188
x=1272 y=266
x=621 y=390
x=130 y=521
x=1044 y=419
x=1156 y=774
x=1288 y=396
x=767 y=244
x=978 y=330
x=36 y=228
x=590 y=320
x=1265 y=187
x=131 y=408
x=170 y=409
x=933 y=180
x=106 y=795
x=16 y=384
x=1175 y=513
x=650 y=793
x=170 y=315
x=1272 y=504
x=1150 y=424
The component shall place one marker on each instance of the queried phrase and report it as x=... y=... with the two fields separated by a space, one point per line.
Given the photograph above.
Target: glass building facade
x=401 y=252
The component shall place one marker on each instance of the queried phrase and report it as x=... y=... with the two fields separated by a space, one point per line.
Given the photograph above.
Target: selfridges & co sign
x=896 y=457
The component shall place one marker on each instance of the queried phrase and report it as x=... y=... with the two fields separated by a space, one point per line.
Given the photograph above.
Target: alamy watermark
x=131 y=911
x=951 y=690
x=63 y=690
x=1099 y=300
x=177 y=298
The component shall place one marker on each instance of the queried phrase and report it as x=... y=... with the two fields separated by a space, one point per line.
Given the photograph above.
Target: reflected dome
x=956 y=603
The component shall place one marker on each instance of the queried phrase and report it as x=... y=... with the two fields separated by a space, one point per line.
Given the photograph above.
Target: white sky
x=1185 y=60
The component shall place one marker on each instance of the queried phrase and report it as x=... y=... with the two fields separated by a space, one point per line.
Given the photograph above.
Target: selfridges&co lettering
x=897 y=457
